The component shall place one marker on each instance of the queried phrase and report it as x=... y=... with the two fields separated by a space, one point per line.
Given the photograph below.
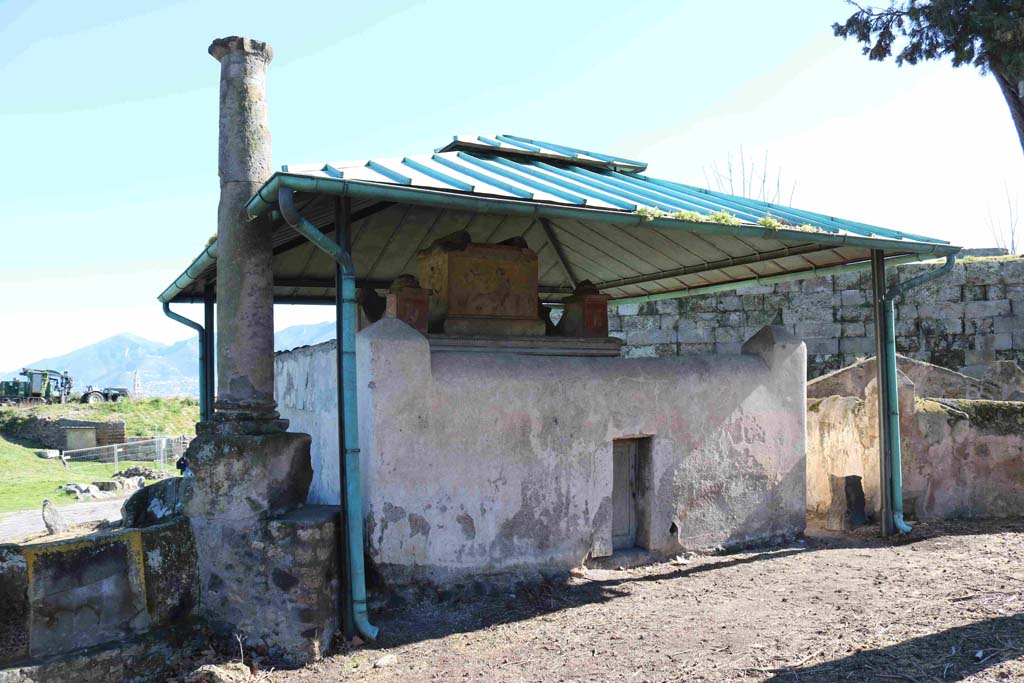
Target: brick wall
x=971 y=316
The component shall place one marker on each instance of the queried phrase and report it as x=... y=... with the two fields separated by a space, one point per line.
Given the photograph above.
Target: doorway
x=630 y=465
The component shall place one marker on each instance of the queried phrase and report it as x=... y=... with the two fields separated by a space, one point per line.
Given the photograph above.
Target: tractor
x=107 y=394
x=39 y=387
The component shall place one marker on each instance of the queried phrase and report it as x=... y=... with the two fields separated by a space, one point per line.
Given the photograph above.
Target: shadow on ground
x=481 y=605
x=949 y=655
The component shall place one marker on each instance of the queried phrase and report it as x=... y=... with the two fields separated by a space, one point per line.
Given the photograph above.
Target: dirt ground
x=945 y=604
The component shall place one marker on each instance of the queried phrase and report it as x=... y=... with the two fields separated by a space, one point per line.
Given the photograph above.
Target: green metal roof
x=588 y=215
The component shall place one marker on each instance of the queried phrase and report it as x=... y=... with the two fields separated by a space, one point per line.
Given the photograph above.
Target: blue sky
x=108 y=123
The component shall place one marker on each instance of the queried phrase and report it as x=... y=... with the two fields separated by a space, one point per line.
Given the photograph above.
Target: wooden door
x=624 y=483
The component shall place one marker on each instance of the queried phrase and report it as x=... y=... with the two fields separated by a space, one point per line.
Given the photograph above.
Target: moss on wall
x=998 y=417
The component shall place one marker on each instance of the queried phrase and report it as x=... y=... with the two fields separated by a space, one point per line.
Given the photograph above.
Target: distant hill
x=164 y=369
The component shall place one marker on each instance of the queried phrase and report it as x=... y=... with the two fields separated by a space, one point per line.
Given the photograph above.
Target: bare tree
x=745 y=178
x=1005 y=233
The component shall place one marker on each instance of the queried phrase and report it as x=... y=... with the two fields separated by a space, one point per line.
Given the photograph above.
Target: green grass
x=29 y=479
x=144 y=417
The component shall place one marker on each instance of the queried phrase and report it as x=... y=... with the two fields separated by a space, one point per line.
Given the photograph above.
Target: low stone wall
x=51 y=432
x=961 y=457
x=972 y=316
x=492 y=463
x=66 y=595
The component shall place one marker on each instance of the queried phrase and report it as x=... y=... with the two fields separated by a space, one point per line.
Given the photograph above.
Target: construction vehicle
x=39 y=387
x=105 y=395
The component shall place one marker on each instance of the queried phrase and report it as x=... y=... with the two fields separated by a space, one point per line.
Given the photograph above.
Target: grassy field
x=144 y=417
x=28 y=479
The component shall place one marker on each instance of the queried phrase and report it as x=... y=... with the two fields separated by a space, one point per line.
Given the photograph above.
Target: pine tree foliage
x=987 y=34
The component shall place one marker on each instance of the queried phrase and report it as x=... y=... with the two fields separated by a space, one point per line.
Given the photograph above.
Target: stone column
x=267 y=563
x=245 y=304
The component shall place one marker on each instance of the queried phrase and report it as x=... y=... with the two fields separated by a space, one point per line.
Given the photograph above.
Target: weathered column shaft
x=245 y=304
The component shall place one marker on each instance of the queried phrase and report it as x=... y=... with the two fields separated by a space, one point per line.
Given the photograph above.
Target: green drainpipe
x=892 y=403
x=204 y=404
x=351 y=498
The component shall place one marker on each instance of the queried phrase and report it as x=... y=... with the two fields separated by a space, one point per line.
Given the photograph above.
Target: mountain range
x=164 y=369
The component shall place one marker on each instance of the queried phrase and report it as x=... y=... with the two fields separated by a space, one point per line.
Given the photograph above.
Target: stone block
x=730 y=302
x=908 y=345
x=669 y=321
x=817 y=284
x=585 y=313
x=667 y=306
x=614 y=323
x=652 y=336
x=815 y=330
x=974 y=292
x=1015 y=292
x=985 y=309
x=481 y=288
x=155 y=503
x=857 y=345
x=853 y=329
x=941 y=310
x=774 y=344
x=790 y=287
x=696 y=348
x=172 y=577
x=983 y=272
x=729 y=334
x=86 y=593
x=983 y=326
x=704 y=304
x=752 y=302
x=640 y=323
x=1013 y=271
x=627 y=309
x=854 y=314
x=15 y=616
x=858 y=280
x=1011 y=324
x=846 y=511
x=240 y=478
x=728 y=348
x=853 y=297
x=639 y=351
x=931 y=327
x=822 y=346
x=764 y=317
x=690 y=333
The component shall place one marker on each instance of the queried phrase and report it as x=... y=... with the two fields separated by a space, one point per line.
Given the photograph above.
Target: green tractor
x=39 y=387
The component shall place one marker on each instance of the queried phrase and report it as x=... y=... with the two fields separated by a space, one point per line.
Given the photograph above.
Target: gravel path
x=945 y=604
x=16 y=525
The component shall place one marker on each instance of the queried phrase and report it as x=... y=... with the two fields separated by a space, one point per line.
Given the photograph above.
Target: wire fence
x=161 y=453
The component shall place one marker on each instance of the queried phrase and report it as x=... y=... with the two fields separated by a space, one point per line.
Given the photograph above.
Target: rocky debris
x=154 y=503
x=232 y=672
x=386 y=661
x=847 y=509
x=120 y=484
x=83 y=491
x=48 y=453
x=142 y=471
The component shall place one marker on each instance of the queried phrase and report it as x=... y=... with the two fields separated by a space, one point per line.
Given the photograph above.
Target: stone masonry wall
x=973 y=315
x=50 y=432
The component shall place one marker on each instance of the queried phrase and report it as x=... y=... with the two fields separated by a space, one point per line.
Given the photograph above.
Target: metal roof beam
x=559 y=254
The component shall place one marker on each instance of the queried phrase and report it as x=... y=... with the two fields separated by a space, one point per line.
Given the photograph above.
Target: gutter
x=205 y=260
x=259 y=205
x=887 y=370
x=204 y=404
x=348 y=437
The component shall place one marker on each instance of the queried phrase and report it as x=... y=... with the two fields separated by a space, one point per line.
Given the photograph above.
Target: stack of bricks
x=971 y=316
